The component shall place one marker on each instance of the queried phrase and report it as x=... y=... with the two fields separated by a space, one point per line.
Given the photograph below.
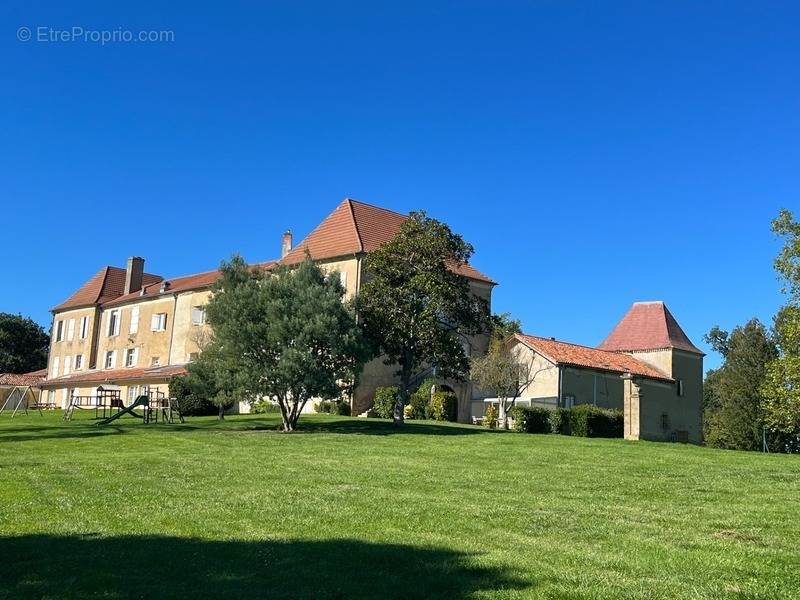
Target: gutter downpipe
x=560 y=387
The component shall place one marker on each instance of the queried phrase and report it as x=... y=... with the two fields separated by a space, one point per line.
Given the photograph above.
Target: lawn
x=350 y=508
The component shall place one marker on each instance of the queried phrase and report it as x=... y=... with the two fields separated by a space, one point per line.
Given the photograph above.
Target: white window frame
x=78 y=362
x=56 y=365
x=131 y=356
x=201 y=310
x=51 y=397
x=132 y=393
x=113 y=323
x=59 y=330
x=67 y=364
x=84 y=327
x=158 y=322
x=112 y=355
x=134 y=327
x=70 y=330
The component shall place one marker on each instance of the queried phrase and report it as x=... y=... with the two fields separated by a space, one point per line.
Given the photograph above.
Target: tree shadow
x=51 y=432
x=364 y=426
x=38 y=566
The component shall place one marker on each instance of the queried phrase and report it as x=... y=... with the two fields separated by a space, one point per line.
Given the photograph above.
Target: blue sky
x=593 y=154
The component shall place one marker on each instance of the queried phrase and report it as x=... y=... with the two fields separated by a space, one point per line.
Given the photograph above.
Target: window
x=56 y=364
x=193 y=356
x=67 y=362
x=569 y=401
x=159 y=322
x=78 y=362
x=59 y=330
x=70 y=329
x=664 y=421
x=51 y=398
x=155 y=361
x=680 y=387
x=84 y=327
x=113 y=323
x=132 y=389
x=343 y=279
x=134 y=320
x=131 y=356
x=111 y=359
x=198 y=315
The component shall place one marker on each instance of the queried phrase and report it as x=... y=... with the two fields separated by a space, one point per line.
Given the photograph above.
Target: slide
x=128 y=410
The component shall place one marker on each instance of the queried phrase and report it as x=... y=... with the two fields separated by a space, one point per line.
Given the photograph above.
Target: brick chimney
x=133 y=274
x=286 y=244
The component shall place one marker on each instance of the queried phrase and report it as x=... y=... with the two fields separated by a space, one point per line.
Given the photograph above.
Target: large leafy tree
x=285 y=335
x=417 y=310
x=782 y=386
x=23 y=344
x=733 y=396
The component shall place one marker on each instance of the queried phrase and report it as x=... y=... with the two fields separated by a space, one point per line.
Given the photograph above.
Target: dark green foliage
x=732 y=394
x=420 y=400
x=23 y=344
x=415 y=307
x=531 y=419
x=385 y=399
x=587 y=420
x=443 y=406
x=559 y=421
x=190 y=404
x=333 y=407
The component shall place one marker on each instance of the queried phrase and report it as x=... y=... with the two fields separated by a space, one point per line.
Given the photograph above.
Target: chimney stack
x=286 y=245
x=133 y=274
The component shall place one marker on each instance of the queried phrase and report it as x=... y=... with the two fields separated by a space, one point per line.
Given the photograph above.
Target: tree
x=23 y=344
x=502 y=372
x=416 y=309
x=285 y=335
x=733 y=398
x=504 y=325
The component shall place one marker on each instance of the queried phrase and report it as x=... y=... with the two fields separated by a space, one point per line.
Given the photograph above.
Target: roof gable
x=105 y=285
x=564 y=353
x=355 y=227
x=648 y=326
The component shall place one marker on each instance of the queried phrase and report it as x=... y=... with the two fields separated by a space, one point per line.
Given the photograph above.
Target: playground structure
x=23 y=397
x=154 y=406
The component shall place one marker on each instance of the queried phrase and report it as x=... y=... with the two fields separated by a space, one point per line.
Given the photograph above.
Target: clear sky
x=595 y=154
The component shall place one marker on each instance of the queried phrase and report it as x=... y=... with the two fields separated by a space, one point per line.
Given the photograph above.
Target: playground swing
x=18 y=398
x=153 y=404
x=103 y=403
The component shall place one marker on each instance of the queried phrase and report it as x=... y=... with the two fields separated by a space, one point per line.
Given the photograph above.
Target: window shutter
x=134 y=319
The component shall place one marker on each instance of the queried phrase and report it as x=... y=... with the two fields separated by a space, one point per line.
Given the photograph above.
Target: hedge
x=587 y=420
x=443 y=406
x=333 y=407
x=531 y=419
x=385 y=399
x=559 y=421
x=420 y=400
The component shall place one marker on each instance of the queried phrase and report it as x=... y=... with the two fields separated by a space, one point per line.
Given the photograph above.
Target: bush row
x=333 y=407
x=439 y=406
x=583 y=420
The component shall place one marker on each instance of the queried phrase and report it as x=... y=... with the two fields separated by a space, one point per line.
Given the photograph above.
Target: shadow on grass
x=56 y=432
x=379 y=427
x=37 y=566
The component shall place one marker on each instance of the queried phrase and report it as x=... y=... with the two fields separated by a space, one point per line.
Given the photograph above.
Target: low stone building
x=647 y=367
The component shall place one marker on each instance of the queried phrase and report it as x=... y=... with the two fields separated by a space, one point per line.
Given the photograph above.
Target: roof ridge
x=383 y=208
x=350 y=202
x=549 y=339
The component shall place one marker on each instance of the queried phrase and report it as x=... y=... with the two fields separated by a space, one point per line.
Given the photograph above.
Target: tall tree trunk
x=402 y=397
x=503 y=416
x=221 y=412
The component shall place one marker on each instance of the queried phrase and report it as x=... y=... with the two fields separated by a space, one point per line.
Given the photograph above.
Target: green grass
x=351 y=508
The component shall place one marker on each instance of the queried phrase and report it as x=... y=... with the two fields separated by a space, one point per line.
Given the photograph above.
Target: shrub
x=587 y=420
x=189 y=403
x=264 y=406
x=490 y=417
x=444 y=406
x=420 y=400
x=342 y=408
x=531 y=419
x=323 y=406
x=559 y=421
x=332 y=407
x=385 y=399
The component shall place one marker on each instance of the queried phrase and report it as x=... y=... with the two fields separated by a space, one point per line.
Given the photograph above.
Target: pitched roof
x=108 y=283
x=355 y=227
x=114 y=375
x=564 y=353
x=648 y=326
x=33 y=378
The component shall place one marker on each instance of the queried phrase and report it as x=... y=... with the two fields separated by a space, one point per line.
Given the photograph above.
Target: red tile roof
x=564 y=353
x=648 y=326
x=115 y=375
x=33 y=378
x=108 y=283
x=354 y=228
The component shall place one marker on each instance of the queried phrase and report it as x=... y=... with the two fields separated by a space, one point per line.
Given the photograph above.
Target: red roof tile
x=33 y=378
x=648 y=326
x=355 y=227
x=108 y=283
x=115 y=375
x=564 y=353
